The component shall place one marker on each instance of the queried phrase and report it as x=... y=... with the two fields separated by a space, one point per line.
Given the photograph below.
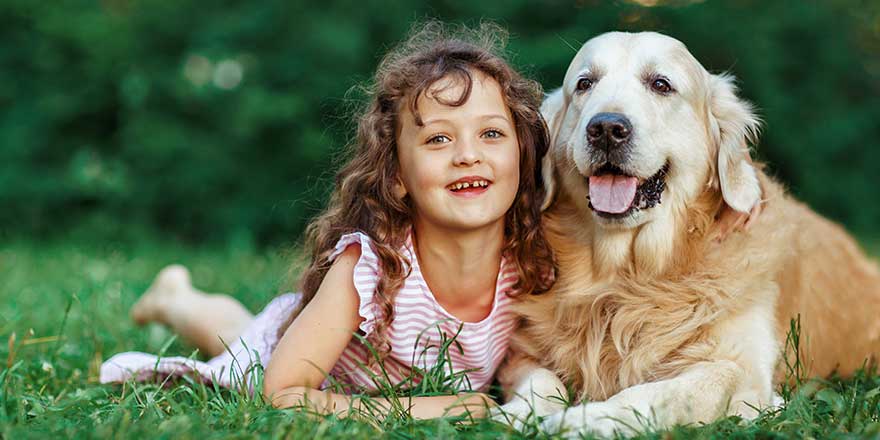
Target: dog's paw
x=776 y=401
x=517 y=413
x=750 y=412
x=593 y=418
x=520 y=413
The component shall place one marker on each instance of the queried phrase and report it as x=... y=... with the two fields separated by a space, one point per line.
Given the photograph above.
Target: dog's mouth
x=615 y=194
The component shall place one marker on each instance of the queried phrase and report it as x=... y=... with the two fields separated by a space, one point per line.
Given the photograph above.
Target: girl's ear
x=399 y=189
x=734 y=126
x=553 y=108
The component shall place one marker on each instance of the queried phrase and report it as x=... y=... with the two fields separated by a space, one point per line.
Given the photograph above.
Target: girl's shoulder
x=365 y=275
x=353 y=238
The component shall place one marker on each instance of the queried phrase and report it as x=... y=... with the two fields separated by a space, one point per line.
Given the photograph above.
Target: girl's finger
x=728 y=221
x=754 y=214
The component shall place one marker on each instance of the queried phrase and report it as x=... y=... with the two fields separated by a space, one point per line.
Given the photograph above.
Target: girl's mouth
x=469 y=186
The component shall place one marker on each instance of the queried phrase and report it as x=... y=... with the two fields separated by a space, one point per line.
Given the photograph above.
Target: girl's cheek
x=424 y=178
x=511 y=162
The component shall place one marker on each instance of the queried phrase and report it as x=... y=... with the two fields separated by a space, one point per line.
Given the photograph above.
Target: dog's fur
x=650 y=317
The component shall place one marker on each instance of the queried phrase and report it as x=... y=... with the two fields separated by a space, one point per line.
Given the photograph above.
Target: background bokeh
x=217 y=121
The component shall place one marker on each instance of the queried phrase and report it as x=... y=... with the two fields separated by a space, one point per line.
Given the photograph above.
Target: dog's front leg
x=700 y=394
x=530 y=391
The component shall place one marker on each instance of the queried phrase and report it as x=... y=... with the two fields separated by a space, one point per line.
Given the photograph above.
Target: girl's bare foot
x=208 y=321
x=171 y=282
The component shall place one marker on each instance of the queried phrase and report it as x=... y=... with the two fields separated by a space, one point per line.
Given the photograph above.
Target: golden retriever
x=650 y=317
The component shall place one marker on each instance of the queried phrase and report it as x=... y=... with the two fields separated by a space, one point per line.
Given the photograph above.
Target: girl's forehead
x=451 y=87
x=447 y=95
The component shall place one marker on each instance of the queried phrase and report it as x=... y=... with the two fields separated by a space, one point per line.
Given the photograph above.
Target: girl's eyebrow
x=427 y=122
x=496 y=116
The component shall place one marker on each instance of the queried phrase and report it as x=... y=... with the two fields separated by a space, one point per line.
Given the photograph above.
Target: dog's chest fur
x=613 y=327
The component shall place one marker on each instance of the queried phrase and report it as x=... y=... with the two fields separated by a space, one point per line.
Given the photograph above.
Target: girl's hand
x=476 y=405
x=427 y=407
x=730 y=220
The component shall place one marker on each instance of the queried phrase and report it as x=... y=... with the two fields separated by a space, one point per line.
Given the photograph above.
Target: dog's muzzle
x=609 y=136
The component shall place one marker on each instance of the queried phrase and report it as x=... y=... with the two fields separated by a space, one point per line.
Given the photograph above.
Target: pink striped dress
x=419 y=327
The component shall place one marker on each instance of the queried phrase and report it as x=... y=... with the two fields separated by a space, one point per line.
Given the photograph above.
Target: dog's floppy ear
x=734 y=126
x=553 y=108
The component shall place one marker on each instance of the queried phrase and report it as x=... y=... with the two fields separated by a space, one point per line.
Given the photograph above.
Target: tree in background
x=211 y=120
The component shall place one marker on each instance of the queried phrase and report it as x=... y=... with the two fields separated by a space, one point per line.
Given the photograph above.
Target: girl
x=433 y=226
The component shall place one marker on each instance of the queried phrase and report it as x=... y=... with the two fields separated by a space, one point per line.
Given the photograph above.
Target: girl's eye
x=438 y=139
x=493 y=134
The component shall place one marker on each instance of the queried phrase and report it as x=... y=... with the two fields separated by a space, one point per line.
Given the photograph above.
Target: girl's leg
x=201 y=319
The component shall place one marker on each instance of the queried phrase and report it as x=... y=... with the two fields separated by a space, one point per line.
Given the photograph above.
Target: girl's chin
x=475 y=223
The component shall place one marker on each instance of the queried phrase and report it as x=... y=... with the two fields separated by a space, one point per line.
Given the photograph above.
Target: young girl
x=433 y=226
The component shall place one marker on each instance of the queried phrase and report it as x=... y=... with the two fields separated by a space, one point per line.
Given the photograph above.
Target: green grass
x=67 y=306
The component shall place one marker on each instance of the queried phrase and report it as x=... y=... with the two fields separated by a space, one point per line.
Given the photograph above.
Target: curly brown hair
x=364 y=201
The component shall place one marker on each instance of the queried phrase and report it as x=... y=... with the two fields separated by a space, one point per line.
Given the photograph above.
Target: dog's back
x=834 y=289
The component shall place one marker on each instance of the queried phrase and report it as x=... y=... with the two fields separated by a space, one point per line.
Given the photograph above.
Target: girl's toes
x=170 y=281
x=172 y=278
x=144 y=310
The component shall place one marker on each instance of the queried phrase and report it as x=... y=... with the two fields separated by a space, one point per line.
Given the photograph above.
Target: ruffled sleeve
x=366 y=277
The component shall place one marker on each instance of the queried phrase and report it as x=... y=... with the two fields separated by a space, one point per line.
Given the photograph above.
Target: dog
x=650 y=318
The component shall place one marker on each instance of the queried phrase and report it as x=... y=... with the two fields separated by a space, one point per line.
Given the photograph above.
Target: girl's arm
x=427 y=407
x=316 y=339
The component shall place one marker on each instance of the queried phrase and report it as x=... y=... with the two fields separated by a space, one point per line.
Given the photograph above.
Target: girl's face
x=461 y=167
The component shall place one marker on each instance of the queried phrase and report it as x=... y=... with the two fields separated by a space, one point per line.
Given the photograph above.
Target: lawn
x=64 y=309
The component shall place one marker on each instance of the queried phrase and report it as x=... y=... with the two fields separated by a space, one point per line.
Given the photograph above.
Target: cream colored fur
x=650 y=320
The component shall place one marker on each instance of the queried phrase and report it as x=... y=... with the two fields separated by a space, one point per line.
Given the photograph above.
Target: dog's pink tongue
x=612 y=194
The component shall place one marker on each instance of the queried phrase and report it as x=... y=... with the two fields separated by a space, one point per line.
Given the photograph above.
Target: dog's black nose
x=609 y=130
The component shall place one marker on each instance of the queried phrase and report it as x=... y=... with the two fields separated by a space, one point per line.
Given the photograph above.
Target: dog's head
x=640 y=128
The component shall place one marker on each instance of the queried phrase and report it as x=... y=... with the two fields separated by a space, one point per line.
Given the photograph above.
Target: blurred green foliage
x=214 y=120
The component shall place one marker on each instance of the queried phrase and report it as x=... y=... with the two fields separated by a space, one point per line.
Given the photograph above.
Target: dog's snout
x=609 y=130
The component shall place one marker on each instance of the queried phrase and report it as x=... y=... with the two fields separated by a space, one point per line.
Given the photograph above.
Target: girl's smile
x=470 y=186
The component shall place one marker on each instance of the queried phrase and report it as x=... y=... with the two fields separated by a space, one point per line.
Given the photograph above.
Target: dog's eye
x=584 y=84
x=661 y=86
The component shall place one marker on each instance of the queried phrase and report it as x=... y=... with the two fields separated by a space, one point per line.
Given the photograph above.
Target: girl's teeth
x=475 y=184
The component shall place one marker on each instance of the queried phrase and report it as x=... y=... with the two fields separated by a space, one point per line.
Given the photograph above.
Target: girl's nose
x=467 y=153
